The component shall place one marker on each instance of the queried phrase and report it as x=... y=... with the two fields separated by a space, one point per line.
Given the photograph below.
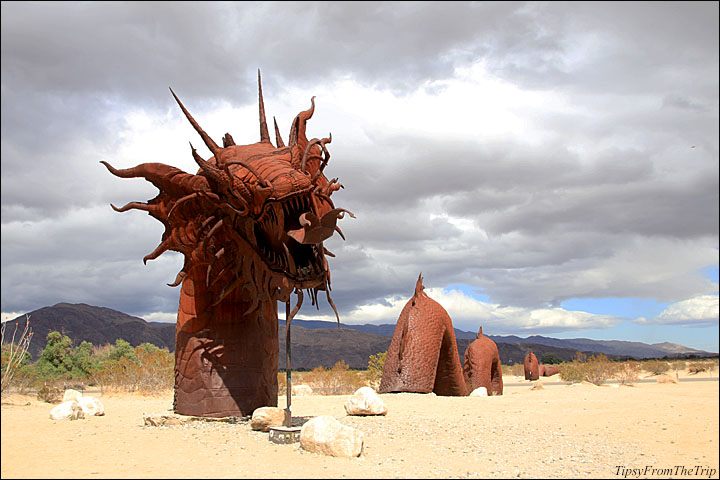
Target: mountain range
x=315 y=342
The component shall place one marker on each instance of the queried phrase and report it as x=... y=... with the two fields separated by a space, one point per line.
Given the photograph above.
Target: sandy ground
x=560 y=431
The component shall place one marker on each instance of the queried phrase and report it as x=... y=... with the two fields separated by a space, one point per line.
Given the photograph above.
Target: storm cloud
x=537 y=152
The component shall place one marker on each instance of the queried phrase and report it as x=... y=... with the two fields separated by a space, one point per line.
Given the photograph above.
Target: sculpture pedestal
x=284 y=435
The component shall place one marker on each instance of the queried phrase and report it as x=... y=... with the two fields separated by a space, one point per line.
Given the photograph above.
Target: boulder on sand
x=324 y=434
x=70 y=410
x=365 y=402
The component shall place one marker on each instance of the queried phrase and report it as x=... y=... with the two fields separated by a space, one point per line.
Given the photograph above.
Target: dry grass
x=697 y=367
x=150 y=372
x=628 y=373
x=595 y=369
x=515 y=369
x=14 y=354
x=656 y=367
x=338 y=380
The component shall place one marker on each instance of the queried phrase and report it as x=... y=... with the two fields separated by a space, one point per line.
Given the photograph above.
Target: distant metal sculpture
x=547 y=370
x=423 y=355
x=251 y=225
x=481 y=365
x=530 y=366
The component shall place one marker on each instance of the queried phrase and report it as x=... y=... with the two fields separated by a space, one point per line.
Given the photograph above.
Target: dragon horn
x=206 y=138
x=278 y=137
x=209 y=169
x=264 y=135
x=297 y=132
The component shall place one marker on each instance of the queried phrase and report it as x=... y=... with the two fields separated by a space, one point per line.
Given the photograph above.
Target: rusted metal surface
x=423 y=355
x=251 y=225
x=530 y=367
x=481 y=365
x=547 y=370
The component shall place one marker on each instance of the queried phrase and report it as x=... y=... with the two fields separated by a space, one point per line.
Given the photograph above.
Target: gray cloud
x=613 y=201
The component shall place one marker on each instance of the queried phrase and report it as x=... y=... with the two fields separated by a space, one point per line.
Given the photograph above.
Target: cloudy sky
x=550 y=168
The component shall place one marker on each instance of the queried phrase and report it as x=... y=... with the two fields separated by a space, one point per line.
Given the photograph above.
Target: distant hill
x=97 y=325
x=319 y=343
x=316 y=342
x=609 y=347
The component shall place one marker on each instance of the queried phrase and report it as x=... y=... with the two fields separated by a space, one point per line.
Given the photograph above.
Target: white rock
x=365 y=402
x=70 y=410
x=265 y=417
x=91 y=406
x=324 y=434
x=479 y=392
x=300 y=390
x=70 y=395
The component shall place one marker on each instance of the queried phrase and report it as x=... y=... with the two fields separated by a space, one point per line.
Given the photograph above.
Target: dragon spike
x=164 y=177
x=206 y=138
x=310 y=144
x=278 y=137
x=209 y=169
x=178 y=279
x=133 y=205
x=332 y=304
x=228 y=141
x=419 y=287
x=326 y=140
x=166 y=245
x=264 y=135
x=297 y=132
x=326 y=156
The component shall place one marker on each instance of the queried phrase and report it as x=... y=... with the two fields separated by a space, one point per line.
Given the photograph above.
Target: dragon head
x=254 y=216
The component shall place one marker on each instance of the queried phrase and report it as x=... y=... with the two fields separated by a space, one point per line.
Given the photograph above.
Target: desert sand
x=558 y=431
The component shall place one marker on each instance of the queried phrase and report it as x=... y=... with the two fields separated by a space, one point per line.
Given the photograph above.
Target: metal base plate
x=284 y=434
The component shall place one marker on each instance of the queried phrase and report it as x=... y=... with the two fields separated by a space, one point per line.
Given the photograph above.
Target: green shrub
x=83 y=362
x=376 y=364
x=550 y=359
x=56 y=362
x=122 y=350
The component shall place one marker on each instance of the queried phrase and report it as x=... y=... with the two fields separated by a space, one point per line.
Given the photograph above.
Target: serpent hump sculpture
x=481 y=365
x=250 y=224
x=548 y=370
x=423 y=355
x=530 y=366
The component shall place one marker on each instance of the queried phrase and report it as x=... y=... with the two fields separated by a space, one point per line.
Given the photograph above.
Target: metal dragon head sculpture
x=251 y=225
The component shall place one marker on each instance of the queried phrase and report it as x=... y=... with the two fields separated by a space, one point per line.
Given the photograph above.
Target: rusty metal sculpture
x=481 y=365
x=530 y=366
x=251 y=225
x=547 y=370
x=423 y=355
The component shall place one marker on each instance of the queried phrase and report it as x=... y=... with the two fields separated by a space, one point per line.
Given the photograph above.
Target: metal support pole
x=288 y=412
